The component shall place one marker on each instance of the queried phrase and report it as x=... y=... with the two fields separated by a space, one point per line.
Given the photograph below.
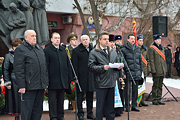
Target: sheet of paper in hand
x=115 y=65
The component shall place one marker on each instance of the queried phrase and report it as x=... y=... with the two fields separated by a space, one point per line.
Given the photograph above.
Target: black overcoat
x=168 y=56
x=58 y=65
x=132 y=55
x=80 y=56
x=177 y=60
x=12 y=97
x=30 y=67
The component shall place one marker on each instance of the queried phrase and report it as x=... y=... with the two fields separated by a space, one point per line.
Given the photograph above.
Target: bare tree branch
x=119 y=21
x=137 y=6
x=82 y=17
x=95 y=16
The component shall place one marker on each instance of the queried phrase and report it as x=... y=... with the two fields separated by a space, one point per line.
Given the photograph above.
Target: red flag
x=134 y=30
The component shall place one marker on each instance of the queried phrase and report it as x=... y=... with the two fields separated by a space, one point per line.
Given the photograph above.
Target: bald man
x=31 y=74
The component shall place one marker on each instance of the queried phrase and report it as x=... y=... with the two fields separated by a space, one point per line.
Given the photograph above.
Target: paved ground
x=170 y=111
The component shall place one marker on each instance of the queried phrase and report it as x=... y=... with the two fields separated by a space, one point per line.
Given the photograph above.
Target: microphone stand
x=76 y=81
x=127 y=77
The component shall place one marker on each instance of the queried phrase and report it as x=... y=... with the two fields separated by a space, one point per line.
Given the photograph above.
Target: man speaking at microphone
x=105 y=77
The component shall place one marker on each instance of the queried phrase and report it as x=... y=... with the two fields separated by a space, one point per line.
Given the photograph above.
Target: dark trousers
x=105 y=100
x=134 y=93
x=32 y=104
x=56 y=104
x=178 y=70
x=157 y=89
x=168 y=70
x=89 y=103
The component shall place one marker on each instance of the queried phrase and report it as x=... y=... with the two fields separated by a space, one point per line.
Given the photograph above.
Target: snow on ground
x=175 y=83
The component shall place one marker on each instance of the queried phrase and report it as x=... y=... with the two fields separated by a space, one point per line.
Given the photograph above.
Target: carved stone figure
x=40 y=21
x=17 y=21
x=25 y=7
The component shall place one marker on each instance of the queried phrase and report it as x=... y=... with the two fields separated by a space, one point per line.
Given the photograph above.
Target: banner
x=134 y=30
x=117 y=98
x=141 y=90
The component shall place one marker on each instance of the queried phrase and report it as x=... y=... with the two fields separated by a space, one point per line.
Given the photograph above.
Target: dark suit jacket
x=80 y=57
x=58 y=65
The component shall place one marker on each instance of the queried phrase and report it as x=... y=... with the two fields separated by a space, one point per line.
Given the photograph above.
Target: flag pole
x=134 y=29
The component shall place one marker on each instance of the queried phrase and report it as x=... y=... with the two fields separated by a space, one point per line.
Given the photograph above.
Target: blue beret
x=139 y=36
x=158 y=36
x=118 y=37
x=111 y=37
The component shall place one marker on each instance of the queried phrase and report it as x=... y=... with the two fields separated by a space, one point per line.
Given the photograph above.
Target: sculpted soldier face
x=30 y=36
x=13 y=7
x=85 y=40
x=104 y=41
x=55 y=39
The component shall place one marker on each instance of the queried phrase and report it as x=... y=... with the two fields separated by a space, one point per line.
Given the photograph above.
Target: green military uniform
x=157 y=66
x=143 y=50
x=69 y=48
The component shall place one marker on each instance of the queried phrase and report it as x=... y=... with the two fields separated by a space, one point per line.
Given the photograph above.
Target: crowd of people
x=28 y=70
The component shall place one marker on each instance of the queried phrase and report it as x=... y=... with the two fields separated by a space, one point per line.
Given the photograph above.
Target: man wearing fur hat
x=111 y=42
x=143 y=50
x=72 y=40
x=157 y=67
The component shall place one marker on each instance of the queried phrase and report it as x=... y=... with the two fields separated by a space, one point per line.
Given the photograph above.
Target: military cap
x=158 y=36
x=139 y=36
x=111 y=37
x=71 y=37
x=169 y=45
x=118 y=37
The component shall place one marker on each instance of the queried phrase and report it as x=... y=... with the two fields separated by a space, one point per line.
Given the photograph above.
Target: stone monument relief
x=16 y=16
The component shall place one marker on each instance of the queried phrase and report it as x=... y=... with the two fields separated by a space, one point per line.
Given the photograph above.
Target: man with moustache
x=80 y=56
x=132 y=55
x=59 y=73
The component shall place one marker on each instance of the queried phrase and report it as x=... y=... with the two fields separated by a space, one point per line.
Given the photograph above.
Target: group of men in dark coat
x=137 y=61
x=36 y=71
x=60 y=75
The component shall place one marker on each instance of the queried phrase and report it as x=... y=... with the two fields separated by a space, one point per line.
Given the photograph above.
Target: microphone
x=118 y=44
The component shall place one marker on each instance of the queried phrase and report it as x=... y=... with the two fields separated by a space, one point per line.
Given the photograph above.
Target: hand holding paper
x=116 y=65
x=106 y=67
